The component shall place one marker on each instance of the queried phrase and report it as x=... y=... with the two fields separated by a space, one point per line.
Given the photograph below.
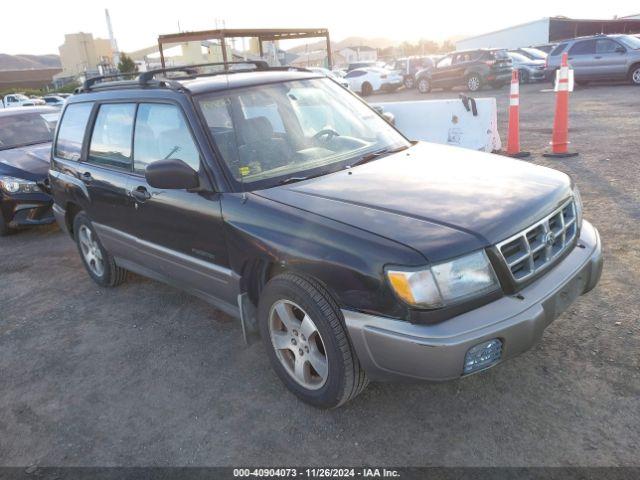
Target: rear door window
x=586 y=47
x=162 y=133
x=71 y=132
x=112 y=133
x=605 y=45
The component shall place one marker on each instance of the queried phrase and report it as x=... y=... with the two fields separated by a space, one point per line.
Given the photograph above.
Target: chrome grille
x=536 y=247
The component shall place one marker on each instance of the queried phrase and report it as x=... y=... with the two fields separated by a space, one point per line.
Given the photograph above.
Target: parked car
x=53 y=100
x=328 y=73
x=531 y=53
x=289 y=203
x=408 y=67
x=25 y=146
x=471 y=68
x=17 y=100
x=599 y=57
x=528 y=70
x=366 y=81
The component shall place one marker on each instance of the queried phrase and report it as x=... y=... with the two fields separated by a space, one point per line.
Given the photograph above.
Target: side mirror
x=621 y=49
x=171 y=174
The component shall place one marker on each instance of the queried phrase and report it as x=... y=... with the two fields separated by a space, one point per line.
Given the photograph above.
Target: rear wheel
x=100 y=265
x=634 y=75
x=303 y=330
x=366 y=89
x=424 y=85
x=523 y=76
x=474 y=82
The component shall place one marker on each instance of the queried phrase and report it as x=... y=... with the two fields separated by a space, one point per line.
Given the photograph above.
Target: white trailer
x=548 y=30
x=524 y=35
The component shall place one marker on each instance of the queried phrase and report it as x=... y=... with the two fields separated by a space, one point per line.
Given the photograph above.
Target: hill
x=28 y=62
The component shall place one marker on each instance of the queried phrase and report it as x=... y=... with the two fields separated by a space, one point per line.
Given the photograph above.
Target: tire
x=366 y=89
x=523 y=77
x=89 y=247
x=293 y=298
x=634 y=75
x=474 y=82
x=552 y=77
x=409 y=82
x=424 y=85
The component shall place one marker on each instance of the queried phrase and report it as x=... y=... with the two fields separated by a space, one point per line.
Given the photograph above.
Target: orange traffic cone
x=560 y=136
x=513 y=142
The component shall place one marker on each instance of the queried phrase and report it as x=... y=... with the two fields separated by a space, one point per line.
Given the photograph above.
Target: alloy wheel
x=91 y=251
x=473 y=83
x=635 y=77
x=298 y=344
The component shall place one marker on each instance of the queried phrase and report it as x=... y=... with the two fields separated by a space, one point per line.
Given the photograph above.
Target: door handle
x=141 y=194
x=598 y=57
x=86 y=177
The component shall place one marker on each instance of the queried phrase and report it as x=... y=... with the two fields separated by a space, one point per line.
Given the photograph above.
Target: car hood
x=441 y=201
x=30 y=162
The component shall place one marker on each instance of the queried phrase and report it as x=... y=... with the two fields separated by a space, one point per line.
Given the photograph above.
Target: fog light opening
x=482 y=356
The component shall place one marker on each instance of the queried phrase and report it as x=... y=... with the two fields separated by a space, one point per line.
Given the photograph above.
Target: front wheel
x=99 y=263
x=474 y=83
x=634 y=75
x=424 y=85
x=409 y=82
x=366 y=89
x=303 y=330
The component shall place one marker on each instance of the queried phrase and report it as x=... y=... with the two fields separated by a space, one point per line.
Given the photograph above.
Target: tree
x=126 y=65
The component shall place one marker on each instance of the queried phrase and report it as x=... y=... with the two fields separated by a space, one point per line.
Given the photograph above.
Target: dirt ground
x=147 y=375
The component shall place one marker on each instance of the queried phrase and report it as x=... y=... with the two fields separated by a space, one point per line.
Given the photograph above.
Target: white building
x=548 y=30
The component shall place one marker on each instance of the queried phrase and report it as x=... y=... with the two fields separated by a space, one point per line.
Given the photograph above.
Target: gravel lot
x=146 y=375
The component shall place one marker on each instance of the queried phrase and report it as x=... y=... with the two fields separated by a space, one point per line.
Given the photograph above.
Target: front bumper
x=391 y=349
x=24 y=210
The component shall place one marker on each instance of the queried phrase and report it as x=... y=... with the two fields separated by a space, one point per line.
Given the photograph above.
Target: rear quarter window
x=71 y=131
x=558 y=50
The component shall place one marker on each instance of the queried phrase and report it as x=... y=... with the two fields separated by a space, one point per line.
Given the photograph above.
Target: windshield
x=293 y=130
x=26 y=129
x=630 y=41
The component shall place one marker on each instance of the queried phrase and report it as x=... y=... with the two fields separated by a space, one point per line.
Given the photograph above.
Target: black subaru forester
x=286 y=201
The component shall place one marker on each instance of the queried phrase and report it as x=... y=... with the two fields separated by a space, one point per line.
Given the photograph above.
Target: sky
x=137 y=24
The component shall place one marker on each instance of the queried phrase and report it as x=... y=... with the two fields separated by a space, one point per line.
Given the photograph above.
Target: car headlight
x=577 y=199
x=445 y=283
x=18 y=185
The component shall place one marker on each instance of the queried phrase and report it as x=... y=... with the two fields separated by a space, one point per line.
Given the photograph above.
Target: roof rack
x=148 y=78
x=89 y=82
x=190 y=70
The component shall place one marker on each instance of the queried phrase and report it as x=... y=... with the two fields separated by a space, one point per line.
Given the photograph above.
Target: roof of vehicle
x=598 y=35
x=213 y=82
x=8 y=112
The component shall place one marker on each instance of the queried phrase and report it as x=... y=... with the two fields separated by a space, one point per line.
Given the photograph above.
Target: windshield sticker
x=244 y=171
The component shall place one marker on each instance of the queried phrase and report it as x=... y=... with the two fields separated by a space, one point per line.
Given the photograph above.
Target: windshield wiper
x=377 y=154
x=287 y=180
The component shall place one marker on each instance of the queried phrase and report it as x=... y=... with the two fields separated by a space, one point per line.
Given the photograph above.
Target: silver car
x=529 y=70
x=599 y=57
